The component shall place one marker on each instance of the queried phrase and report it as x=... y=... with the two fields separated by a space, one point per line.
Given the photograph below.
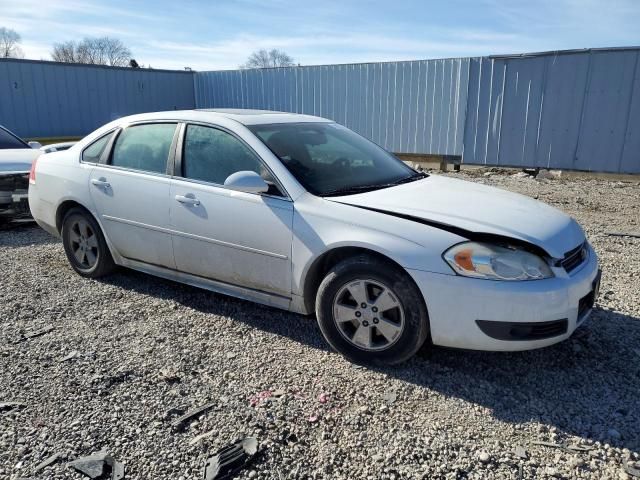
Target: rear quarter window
x=93 y=152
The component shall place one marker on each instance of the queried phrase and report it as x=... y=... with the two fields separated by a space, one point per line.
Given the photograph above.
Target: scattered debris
x=547 y=175
x=229 y=460
x=260 y=397
x=484 y=457
x=563 y=446
x=8 y=406
x=173 y=411
x=169 y=375
x=623 y=234
x=634 y=472
x=70 y=356
x=195 y=440
x=523 y=175
x=299 y=395
x=107 y=382
x=34 y=334
x=520 y=452
x=390 y=397
x=178 y=424
x=46 y=462
x=99 y=465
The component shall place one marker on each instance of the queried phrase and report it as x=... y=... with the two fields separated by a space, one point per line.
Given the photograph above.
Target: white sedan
x=301 y=213
x=16 y=157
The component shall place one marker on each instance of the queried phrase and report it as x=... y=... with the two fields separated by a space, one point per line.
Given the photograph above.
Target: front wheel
x=85 y=245
x=371 y=311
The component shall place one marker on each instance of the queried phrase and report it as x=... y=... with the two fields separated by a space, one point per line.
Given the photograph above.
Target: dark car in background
x=16 y=157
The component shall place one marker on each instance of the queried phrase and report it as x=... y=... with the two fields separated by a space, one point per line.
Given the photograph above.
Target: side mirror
x=35 y=145
x=246 y=181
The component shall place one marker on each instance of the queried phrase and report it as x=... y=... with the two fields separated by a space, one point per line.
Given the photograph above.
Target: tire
x=405 y=325
x=85 y=245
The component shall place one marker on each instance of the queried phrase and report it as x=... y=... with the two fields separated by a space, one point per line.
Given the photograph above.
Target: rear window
x=8 y=140
x=144 y=147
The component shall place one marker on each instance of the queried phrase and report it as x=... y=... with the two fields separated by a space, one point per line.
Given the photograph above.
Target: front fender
x=320 y=226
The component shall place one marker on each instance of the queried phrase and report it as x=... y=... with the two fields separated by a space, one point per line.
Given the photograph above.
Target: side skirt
x=243 y=293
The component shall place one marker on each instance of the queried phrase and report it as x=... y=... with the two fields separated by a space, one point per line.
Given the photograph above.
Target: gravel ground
x=129 y=352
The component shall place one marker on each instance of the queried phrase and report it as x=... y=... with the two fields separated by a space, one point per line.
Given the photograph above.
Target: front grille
x=14 y=182
x=574 y=258
x=548 y=329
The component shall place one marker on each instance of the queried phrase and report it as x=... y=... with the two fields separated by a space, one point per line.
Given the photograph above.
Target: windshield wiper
x=368 y=188
x=411 y=178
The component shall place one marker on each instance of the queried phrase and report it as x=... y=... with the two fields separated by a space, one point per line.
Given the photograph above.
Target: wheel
x=85 y=245
x=371 y=311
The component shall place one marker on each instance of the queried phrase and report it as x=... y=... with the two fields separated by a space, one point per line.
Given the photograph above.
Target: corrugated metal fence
x=571 y=109
x=48 y=99
x=410 y=107
x=567 y=110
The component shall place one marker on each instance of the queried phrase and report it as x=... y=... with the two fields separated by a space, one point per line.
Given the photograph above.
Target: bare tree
x=65 y=52
x=96 y=51
x=267 y=59
x=9 y=44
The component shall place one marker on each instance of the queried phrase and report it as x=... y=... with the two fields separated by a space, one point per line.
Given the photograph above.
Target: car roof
x=243 y=116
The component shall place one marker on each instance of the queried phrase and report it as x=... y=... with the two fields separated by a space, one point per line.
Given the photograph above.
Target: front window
x=329 y=159
x=212 y=155
x=8 y=140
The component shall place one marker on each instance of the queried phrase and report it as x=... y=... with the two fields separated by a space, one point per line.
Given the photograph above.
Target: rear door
x=130 y=189
x=239 y=238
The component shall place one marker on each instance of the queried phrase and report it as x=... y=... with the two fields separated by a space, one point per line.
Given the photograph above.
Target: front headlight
x=492 y=262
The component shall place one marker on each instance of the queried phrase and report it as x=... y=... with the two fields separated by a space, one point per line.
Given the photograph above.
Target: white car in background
x=16 y=157
x=300 y=213
x=57 y=147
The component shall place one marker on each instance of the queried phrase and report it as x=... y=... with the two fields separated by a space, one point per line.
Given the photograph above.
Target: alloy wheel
x=368 y=314
x=84 y=244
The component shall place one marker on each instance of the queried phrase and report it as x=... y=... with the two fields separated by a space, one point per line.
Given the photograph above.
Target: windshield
x=8 y=140
x=329 y=159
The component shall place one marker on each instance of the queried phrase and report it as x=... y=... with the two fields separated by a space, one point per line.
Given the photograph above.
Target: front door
x=239 y=238
x=131 y=193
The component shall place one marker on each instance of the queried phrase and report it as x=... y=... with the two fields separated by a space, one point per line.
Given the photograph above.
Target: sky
x=221 y=34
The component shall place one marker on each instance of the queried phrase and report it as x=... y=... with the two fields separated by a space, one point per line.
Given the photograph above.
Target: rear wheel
x=85 y=245
x=371 y=311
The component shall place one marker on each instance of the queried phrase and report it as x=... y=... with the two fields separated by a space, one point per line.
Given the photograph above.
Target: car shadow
x=586 y=386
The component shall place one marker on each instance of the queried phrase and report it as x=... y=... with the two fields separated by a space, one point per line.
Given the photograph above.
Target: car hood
x=17 y=160
x=476 y=208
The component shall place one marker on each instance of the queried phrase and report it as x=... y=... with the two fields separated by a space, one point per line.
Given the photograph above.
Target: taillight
x=32 y=172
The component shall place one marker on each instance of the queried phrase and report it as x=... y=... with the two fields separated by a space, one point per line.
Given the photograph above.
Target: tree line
x=113 y=52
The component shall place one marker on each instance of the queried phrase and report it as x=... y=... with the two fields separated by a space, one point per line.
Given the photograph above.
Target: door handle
x=101 y=182
x=187 y=200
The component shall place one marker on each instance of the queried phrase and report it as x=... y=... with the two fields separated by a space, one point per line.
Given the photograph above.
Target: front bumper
x=456 y=303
